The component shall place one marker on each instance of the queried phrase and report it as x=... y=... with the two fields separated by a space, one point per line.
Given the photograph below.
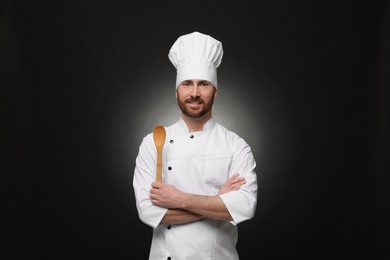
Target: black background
x=305 y=84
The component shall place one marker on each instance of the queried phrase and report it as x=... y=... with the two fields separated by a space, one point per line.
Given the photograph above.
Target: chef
x=209 y=181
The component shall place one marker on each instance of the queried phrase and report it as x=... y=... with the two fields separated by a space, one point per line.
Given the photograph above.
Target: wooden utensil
x=159 y=140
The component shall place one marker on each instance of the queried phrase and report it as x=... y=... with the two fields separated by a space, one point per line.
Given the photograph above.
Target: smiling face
x=195 y=98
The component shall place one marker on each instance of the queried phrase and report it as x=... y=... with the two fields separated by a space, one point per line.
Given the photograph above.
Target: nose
x=195 y=91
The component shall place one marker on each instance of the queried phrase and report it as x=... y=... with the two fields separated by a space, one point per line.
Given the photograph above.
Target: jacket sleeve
x=144 y=175
x=242 y=203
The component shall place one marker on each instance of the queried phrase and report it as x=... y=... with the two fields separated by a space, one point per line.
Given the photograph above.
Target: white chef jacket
x=199 y=163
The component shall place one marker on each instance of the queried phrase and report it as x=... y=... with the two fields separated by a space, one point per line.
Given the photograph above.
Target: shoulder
x=232 y=137
x=228 y=133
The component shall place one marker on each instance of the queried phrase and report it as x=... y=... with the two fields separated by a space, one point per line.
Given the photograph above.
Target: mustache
x=194 y=99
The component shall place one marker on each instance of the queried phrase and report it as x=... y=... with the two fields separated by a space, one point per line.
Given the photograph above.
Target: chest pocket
x=216 y=168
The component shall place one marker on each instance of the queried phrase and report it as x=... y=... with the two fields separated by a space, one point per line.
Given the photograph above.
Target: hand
x=166 y=195
x=233 y=183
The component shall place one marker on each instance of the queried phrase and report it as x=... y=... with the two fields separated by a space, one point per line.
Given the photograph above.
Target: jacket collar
x=207 y=126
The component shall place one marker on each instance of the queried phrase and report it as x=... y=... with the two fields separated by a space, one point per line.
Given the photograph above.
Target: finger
x=232 y=179
x=238 y=180
x=239 y=184
x=242 y=180
x=154 y=191
x=156 y=184
x=233 y=176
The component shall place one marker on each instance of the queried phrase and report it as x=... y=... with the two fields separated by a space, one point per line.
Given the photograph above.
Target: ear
x=176 y=94
x=216 y=94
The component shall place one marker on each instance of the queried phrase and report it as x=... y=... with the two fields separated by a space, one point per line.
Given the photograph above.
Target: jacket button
x=168 y=258
x=171 y=141
x=169 y=168
x=168 y=227
x=191 y=136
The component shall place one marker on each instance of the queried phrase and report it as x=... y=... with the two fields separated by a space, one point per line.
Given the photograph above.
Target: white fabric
x=199 y=165
x=196 y=56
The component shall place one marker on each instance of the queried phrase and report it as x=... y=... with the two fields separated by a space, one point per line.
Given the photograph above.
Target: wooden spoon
x=159 y=140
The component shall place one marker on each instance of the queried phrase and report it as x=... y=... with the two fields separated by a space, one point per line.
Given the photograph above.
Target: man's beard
x=206 y=107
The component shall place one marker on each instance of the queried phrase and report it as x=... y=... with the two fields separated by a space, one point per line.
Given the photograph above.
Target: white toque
x=196 y=56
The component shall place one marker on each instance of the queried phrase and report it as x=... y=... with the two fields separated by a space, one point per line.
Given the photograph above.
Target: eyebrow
x=189 y=81
x=204 y=81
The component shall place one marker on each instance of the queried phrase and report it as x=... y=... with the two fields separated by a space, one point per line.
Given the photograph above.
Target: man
x=209 y=181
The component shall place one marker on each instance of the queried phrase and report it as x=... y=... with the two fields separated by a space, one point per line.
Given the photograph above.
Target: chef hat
x=196 y=56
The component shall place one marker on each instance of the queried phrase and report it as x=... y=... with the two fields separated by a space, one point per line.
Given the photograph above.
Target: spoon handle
x=159 y=165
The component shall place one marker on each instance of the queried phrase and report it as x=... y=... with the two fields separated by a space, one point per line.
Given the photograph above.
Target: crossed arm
x=186 y=207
